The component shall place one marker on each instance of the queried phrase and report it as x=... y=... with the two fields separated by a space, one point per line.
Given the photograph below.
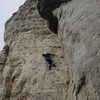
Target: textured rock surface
x=24 y=75
x=79 y=30
x=45 y=8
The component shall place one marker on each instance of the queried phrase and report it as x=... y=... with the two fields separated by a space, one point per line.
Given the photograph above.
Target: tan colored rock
x=25 y=75
x=79 y=29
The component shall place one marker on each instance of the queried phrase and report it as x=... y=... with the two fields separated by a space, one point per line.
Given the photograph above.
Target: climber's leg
x=49 y=62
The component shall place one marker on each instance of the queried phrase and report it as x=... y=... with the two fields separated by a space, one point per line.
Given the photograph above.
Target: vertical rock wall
x=25 y=75
x=79 y=31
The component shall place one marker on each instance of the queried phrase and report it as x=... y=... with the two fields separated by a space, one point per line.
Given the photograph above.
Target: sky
x=7 y=8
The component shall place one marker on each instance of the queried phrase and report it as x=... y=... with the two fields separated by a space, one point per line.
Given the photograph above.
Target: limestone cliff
x=24 y=74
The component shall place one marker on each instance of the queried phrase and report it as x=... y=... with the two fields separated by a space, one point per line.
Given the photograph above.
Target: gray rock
x=79 y=23
x=25 y=76
x=45 y=9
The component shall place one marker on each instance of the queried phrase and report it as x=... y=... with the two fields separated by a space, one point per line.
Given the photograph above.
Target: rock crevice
x=45 y=9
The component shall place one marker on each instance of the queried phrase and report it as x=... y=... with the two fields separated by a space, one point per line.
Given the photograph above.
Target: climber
x=48 y=60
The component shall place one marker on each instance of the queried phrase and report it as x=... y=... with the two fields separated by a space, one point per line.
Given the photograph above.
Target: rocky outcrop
x=23 y=72
x=45 y=9
x=25 y=76
x=79 y=31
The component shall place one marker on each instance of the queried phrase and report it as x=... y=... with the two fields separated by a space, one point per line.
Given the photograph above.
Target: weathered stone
x=45 y=8
x=79 y=26
x=24 y=76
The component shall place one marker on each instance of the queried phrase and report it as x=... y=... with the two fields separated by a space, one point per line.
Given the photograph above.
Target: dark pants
x=50 y=63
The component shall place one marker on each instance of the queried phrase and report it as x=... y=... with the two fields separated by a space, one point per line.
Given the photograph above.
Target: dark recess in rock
x=45 y=8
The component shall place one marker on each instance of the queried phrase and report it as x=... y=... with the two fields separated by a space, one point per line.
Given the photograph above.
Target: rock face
x=25 y=76
x=45 y=8
x=23 y=72
x=79 y=31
